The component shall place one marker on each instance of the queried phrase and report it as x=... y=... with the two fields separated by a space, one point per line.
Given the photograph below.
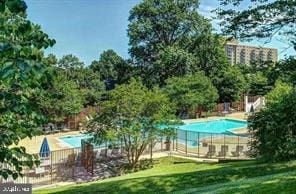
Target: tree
x=210 y=53
x=191 y=92
x=50 y=60
x=274 y=127
x=260 y=19
x=285 y=70
x=23 y=78
x=70 y=63
x=132 y=114
x=88 y=82
x=166 y=38
x=112 y=67
x=63 y=99
x=90 y=86
x=281 y=90
x=230 y=84
x=258 y=84
x=172 y=61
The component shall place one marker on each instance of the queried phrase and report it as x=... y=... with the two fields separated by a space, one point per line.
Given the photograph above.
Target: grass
x=171 y=174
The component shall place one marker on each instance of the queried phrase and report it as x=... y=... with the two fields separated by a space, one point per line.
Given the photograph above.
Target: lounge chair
x=115 y=153
x=204 y=144
x=102 y=154
x=238 y=151
x=212 y=151
x=224 y=151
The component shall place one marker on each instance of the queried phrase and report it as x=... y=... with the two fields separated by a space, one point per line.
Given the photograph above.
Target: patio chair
x=40 y=171
x=212 y=151
x=224 y=151
x=103 y=154
x=238 y=151
x=204 y=144
x=115 y=153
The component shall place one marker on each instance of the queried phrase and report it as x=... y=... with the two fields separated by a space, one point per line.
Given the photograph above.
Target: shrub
x=274 y=128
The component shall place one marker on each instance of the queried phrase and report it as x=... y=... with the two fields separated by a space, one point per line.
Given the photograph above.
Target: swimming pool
x=73 y=140
x=214 y=126
x=219 y=126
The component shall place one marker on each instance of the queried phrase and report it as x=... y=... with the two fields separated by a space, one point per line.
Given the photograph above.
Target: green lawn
x=186 y=176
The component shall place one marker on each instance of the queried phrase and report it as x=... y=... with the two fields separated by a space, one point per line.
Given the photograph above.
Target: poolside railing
x=212 y=145
x=65 y=165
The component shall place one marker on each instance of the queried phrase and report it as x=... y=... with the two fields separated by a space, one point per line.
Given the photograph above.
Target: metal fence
x=212 y=145
x=66 y=164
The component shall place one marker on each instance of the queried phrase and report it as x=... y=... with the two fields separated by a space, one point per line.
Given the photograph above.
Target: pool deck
x=33 y=145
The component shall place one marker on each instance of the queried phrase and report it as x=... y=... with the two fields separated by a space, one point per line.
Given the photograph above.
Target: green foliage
x=285 y=70
x=190 y=92
x=112 y=66
x=172 y=61
x=258 y=84
x=88 y=82
x=50 y=60
x=169 y=38
x=131 y=113
x=90 y=86
x=210 y=54
x=255 y=20
x=279 y=92
x=23 y=78
x=70 y=63
x=62 y=99
x=230 y=84
x=274 y=126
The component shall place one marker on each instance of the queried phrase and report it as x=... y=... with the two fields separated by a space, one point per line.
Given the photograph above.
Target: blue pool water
x=205 y=128
x=214 y=126
x=74 y=141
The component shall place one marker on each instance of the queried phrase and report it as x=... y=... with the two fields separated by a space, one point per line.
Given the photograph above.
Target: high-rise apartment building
x=245 y=54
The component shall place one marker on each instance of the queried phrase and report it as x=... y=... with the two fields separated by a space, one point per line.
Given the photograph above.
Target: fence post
x=224 y=151
x=186 y=142
x=51 y=167
x=198 y=144
x=238 y=146
x=176 y=140
x=173 y=143
x=151 y=150
x=211 y=145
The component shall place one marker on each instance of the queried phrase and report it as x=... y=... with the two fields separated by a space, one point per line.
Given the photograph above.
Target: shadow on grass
x=182 y=181
x=187 y=162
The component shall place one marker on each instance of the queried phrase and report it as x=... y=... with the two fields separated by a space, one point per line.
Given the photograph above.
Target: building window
x=253 y=56
x=243 y=56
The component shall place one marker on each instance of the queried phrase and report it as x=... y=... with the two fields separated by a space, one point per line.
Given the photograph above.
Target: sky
x=86 y=28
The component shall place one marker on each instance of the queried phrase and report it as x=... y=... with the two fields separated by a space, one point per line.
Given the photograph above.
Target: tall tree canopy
x=191 y=92
x=70 y=63
x=112 y=67
x=88 y=82
x=165 y=39
x=23 y=78
x=64 y=98
x=230 y=83
x=261 y=19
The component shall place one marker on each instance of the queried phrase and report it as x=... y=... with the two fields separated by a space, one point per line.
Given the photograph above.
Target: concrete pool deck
x=33 y=145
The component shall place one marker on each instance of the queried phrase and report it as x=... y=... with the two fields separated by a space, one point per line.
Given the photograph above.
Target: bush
x=274 y=128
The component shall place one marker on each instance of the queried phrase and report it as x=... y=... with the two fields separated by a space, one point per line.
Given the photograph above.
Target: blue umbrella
x=44 y=149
